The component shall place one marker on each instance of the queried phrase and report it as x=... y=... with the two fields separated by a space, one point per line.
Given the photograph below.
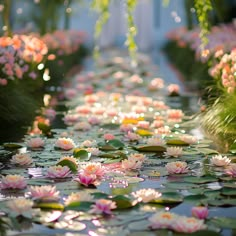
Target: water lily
x=131 y=164
x=86 y=179
x=89 y=143
x=69 y=158
x=13 y=182
x=174 y=151
x=22 y=159
x=175 y=114
x=219 y=160
x=44 y=193
x=79 y=197
x=156 y=141
x=200 y=212
x=93 y=168
x=83 y=126
x=108 y=136
x=94 y=151
x=188 y=225
x=137 y=157
x=188 y=139
x=58 y=171
x=130 y=136
x=143 y=124
x=65 y=143
x=94 y=120
x=35 y=142
x=177 y=167
x=231 y=170
x=103 y=206
x=173 y=89
x=126 y=128
x=162 y=220
x=20 y=206
x=146 y=195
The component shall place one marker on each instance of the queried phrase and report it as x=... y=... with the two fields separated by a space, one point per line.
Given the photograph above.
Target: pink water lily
x=44 y=193
x=93 y=168
x=174 y=151
x=86 y=179
x=65 y=143
x=13 y=182
x=231 y=170
x=58 y=172
x=103 y=206
x=36 y=142
x=146 y=195
x=79 y=197
x=200 y=212
x=131 y=164
x=108 y=136
x=219 y=160
x=162 y=220
x=22 y=159
x=177 y=167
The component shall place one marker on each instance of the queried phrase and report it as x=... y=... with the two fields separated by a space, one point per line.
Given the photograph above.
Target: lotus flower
x=177 y=167
x=188 y=139
x=35 y=142
x=108 y=136
x=86 y=179
x=155 y=141
x=126 y=128
x=79 y=197
x=58 y=172
x=65 y=143
x=146 y=195
x=173 y=89
x=188 y=225
x=219 y=160
x=93 y=151
x=44 y=193
x=13 y=182
x=103 y=206
x=200 y=212
x=231 y=170
x=131 y=164
x=162 y=220
x=22 y=159
x=93 y=168
x=83 y=126
x=137 y=157
x=130 y=136
x=175 y=114
x=20 y=206
x=174 y=151
x=89 y=143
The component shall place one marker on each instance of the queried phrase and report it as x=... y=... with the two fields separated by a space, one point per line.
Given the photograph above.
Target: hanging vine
x=132 y=31
x=203 y=7
x=102 y=7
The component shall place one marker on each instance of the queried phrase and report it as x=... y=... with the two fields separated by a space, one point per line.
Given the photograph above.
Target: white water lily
x=219 y=160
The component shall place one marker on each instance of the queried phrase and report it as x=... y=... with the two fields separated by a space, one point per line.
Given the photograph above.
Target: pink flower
x=83 y=125
x=126 y=128
x=177 y=167
x=70 y=93
x=3 y=82
x=44 y=193
x=156 y=141
x=13 y=182
x=35 y=142
x=94 y=151
x=93 y=120
x=86 y=179
x=146 y=195
x=231 y=170
x=173 y=89
x=219 y=160
x=188 y=225
x=162 y=220
x=130 y=136
x=20 y=206
x=131 y=164
x=156 y=84
x=70 y=119
x=103 y=206
x=50 y=113
x=93 y=168
x=58 y=172
x=137 y=157
x=65 y=143
x=79 y=197
x=175 y=114
x=200 y=212
x=174 y=151
x=143 y=124
x=188 y=139
x=22 y=159
x=108 y=136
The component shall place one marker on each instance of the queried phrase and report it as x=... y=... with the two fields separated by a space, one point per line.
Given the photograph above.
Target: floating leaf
x=207 y=151
x=224 y=222
x=73 y=166
x=81 y=154
x=228 y=191
x=169 y=197
x=79 y=206
x=143 y=132
x=200 y=180
x=195 y=198
x=150 y=148
x=232 y=148
x=176 y=142
x=40 y=182
x=50 y=205
x=122 y=202
x=204 y=232
x=180 y=185
x=46 y=129
x=100 y=195
x=139 y=225
x=111 y=145
x=12 y=145
x=110 y=126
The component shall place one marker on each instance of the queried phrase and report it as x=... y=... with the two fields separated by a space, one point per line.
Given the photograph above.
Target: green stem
x=6 y=17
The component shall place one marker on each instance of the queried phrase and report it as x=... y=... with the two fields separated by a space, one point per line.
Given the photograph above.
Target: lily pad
x=79 y=206
x=207 y=151
x=169 y=197
x=50 y=205
x=111 y=145
x=180 y=185
x=122 y=202
x=199 y=180
x=12 y=145
x=224 y=222
x=150 y=148
x=144 y=132
x=176 y=142
x=228 y=191
x=73 y=166
x=81 y=154
x=196 y=199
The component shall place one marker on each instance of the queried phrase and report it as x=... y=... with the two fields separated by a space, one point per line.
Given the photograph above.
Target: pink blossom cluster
x=64 y=42
x=17 y=54
x=225 y=71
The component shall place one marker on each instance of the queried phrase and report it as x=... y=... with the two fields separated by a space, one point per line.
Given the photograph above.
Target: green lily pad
x=207 y=151
x=228 y=191
x=12 y=145
x=195 y=198
x=180 y=185
x=169 y=197
x=176 y=142
x=73 y=166
x=50 y=205
x=224 y=222
x=150 y=148
x=79 y=206
x=82 y=155
x=100 y=195
x=111 y=145
x=122 y=202
x=46 y=129
x=232 y=148
x=200 y=180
